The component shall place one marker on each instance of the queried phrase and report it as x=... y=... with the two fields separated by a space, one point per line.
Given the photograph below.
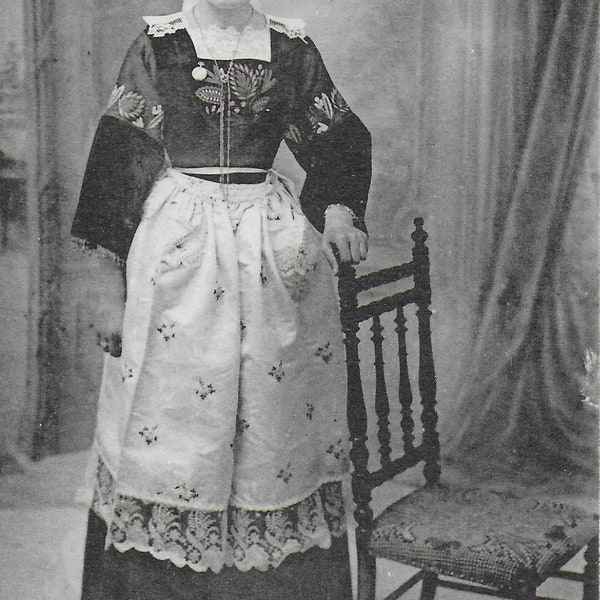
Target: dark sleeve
x=126 y=156
x=329 y=142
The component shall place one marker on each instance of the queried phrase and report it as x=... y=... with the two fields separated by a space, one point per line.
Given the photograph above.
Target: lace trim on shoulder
x=293 y=28
x=161 y=25
x=213 y=539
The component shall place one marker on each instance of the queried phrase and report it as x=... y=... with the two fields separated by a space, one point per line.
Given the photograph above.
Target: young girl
x=221 y=439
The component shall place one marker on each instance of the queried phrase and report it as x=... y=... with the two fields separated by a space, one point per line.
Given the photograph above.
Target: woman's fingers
x=351 y=245
x=330 y=256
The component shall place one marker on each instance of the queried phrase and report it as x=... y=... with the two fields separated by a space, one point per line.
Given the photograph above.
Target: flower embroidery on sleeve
x=218 y=292
x=327 y=110
x=127 y=106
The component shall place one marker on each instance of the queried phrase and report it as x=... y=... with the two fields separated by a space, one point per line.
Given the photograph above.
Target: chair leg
x=429 y=586
x=366 y=576
x=590 y=572
x=526 y=592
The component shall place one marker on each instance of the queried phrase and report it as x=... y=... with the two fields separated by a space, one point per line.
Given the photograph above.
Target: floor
x=42 y=525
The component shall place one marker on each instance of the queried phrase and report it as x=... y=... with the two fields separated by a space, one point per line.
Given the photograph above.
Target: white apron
x=221 y=433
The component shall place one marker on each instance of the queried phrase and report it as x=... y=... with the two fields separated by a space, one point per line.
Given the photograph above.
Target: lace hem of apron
x=210 y=539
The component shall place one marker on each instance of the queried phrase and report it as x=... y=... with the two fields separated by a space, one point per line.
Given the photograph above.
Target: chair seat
x=483 y=536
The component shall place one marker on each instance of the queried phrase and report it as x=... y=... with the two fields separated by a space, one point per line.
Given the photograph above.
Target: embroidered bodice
x=277 y=89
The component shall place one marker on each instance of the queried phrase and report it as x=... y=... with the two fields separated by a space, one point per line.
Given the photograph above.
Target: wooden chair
x=501 y=544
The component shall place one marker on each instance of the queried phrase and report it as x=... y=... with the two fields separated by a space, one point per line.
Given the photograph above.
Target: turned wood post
x=427 y=381
x=357 y=424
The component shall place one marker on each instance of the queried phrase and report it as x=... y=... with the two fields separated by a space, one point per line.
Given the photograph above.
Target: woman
x=221 y=435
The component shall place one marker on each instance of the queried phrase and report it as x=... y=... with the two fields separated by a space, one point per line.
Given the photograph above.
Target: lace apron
x=221 y=435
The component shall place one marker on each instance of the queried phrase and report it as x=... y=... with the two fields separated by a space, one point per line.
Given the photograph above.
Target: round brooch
x=199 y=73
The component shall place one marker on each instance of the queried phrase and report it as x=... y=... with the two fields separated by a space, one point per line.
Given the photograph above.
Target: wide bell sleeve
x=328 y=140
x=127 y=155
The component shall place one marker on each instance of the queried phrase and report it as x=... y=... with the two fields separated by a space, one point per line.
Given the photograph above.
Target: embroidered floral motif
x=285 y=474
x=336 y=450
x=325 y=352
x=277 y=372
x=218 y=292
x=128 y=106
x=242 y=426
x=243 y=326
x=149 y=434
x=204 y=390
x=167 y=331
x=263 y=277
x=127 y=373
x=294 y=135
x=310 y=409
x=185 y=493
x=211 y=539
x=248 y=88
x=327 y=111
x=158 y=115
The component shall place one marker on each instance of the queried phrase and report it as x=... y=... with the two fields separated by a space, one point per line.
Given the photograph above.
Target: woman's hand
x=340 y=234
x=109 y=312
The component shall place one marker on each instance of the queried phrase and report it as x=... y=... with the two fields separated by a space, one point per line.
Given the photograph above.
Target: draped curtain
x=524 y=261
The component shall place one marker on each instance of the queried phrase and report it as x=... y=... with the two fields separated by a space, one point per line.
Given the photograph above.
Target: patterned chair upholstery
x=477 y=540
x=488 y=537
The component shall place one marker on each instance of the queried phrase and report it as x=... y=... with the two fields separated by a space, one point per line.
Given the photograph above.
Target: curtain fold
x=534 y=311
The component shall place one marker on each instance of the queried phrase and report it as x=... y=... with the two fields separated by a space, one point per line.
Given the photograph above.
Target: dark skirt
x=110 y=575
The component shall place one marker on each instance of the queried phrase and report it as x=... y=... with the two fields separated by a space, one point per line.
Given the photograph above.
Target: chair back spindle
x=405 y=396
x=382 y=404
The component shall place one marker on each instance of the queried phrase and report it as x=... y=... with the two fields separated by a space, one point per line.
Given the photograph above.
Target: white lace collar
x=217 y=43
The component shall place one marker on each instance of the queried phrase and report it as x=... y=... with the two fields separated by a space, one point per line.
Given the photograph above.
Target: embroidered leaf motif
x=115 y=96
x=216 y=76
x=245 y=82
x=210 y=94
x=268 y=81
x=259 y=104
x=294 y=134
x=158 y=116
x=327 y=110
